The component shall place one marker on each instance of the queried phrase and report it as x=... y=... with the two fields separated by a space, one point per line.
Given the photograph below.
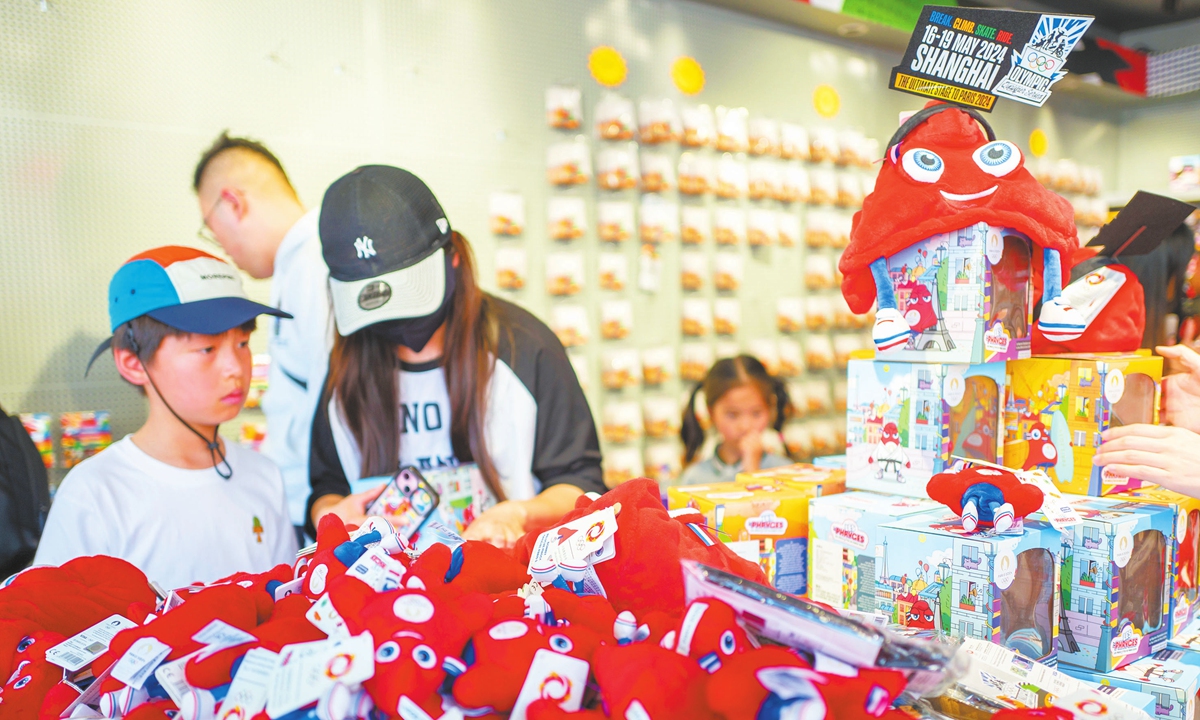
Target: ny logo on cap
x=365 y=247
x=443 y=225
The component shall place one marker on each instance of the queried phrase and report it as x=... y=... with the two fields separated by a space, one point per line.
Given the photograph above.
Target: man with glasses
x=250 y=209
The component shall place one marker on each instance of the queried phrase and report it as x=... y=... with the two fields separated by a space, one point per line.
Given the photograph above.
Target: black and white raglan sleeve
x=566 y=445
x=325 y=473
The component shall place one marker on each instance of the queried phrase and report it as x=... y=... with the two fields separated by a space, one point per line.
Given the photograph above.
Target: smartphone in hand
x=407 y=501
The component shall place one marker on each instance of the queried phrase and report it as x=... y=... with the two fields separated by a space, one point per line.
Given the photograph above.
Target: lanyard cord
x=214 y=447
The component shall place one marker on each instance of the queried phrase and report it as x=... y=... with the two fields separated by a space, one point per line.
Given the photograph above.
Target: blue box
x=1116 y=587
x=1000 y=588
x=905 y=420
x=1171 y=677
x=844 y=544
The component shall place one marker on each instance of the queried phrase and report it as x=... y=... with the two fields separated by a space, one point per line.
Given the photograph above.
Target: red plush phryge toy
x=419 y=640
x=68 y=600
x=639 y=681
x=643 y=575
x=473 y=566
x=708 y=633
x=771 y=683
x=232 y=604
x=501 y=656
x=1113 y=305
x=986 y=497
x=33 y=678
x=945 y=171
x=336 y=552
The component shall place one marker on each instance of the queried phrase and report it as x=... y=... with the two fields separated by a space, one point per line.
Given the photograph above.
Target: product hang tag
x=80 y=650
x=171 y=677
x=1088 y=704
x=295 y=587
x=552 y=676
x=219 y=635
x=139 y=661
x=581 y=537
x=1055 y=507
x=377 y=569
x=308 y=670
x=325 y=617
x=248 y=692
x=607 y=551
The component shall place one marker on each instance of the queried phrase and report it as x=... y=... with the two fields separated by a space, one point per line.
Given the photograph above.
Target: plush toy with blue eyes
x=708 y=633
x=945 y=171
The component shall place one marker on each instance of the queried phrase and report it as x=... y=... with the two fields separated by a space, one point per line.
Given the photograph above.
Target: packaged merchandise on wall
x=1172 y=677
x=569 y=163
x=506 y=213
x=1116 y=584
x=1057 y=406
x=614 y=220
x=1001 y=588
x=84 y=434
x=512 y=267
x=1185 y=547
x=904 y=421
x=39 y=427
x=759 y=510
x=615 y=117
x=844 y=545
x=564 y=107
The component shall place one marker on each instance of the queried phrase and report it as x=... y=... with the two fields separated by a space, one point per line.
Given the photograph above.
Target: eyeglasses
x=204 y=232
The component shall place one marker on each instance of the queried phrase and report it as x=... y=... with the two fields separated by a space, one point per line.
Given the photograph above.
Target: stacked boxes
x=1185 y=548
x=1115 y=583
x=904 y=421
x=1001 y=588
x=763 y=520
x=1056 y=407
x=844 y=545
x=1171 y=677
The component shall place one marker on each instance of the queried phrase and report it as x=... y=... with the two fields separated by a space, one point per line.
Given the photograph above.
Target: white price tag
x=308 y=670
x=325 y=617
x=171 y=677
x=248 y=693
x=552 y=676
x=139 y=661
x=218 y=635
x=377 y=569
x=80 y=650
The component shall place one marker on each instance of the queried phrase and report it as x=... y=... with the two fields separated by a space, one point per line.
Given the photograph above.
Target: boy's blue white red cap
x=182 y=287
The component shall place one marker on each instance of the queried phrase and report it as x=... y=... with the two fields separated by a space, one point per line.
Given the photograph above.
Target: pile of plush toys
x=366 y=627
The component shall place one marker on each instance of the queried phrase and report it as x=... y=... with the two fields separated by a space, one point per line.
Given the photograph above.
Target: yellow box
x=801 y=475
x=1185 y=539
x=762 y=519
x=1056 y=407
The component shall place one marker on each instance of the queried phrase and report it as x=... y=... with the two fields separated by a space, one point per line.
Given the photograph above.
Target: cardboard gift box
x=1171 y=677
x=1057 y=406
x=844 y=541
x=763 y=521
x=1116 y=587
x=967 y=296
x=905 y=420
x=1001 y=588
x=1185 y=547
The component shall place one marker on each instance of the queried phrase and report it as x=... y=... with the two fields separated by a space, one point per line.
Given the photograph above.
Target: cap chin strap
x=221 y=467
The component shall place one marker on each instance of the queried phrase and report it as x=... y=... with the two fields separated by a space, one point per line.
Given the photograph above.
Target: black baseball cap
x=383 y=235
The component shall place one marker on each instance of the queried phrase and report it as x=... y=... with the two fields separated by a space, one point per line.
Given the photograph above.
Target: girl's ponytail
x=689 y=429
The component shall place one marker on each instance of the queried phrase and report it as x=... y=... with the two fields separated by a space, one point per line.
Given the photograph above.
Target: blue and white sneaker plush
x=1060 y=321
x=891 y=332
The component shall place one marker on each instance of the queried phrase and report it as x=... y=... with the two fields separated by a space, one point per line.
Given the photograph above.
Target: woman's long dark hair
x=362 y=374
x=725 y=375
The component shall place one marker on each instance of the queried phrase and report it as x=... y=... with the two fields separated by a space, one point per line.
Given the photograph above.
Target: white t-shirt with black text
x=425 y=417
x=178 y=526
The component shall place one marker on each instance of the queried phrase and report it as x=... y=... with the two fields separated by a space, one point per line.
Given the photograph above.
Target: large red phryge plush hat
x=945 y=171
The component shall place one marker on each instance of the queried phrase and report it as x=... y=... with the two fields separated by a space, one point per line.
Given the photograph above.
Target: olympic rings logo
x=1041 y=62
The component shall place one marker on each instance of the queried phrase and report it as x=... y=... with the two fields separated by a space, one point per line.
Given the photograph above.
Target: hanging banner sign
x=970 y=56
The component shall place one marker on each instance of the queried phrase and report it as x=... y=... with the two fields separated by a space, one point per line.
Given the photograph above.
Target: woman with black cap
x=428 y=370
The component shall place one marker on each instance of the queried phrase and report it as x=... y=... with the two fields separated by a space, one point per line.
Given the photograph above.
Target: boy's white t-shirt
x=178 y=526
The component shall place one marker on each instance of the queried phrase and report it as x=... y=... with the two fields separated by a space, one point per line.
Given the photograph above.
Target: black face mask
x=414 y=333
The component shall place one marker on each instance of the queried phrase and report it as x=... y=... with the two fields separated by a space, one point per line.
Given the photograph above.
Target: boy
x=173 y=498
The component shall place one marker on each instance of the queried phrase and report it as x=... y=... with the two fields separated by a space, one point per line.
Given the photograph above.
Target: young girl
x=743 y=400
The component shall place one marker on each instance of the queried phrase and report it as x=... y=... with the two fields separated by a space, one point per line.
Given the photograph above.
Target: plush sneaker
x=891 y=332
x=970 y=516
x=1060 y=321
x=1003 y=518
